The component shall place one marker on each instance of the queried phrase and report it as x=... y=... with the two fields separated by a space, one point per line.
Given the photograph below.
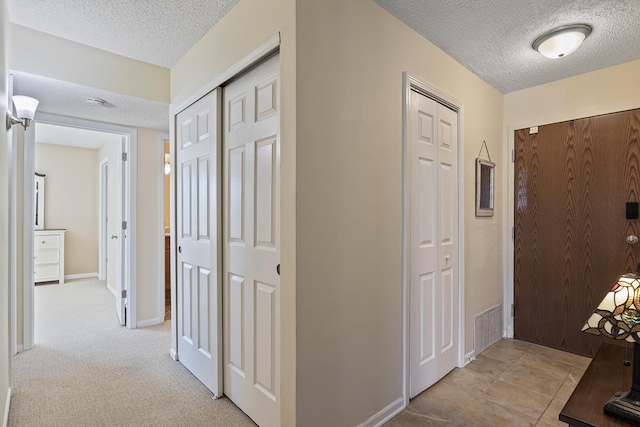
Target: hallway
x=86 y=370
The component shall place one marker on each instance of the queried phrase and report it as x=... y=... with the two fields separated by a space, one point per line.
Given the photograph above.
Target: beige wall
x=350 y=59
x=45 y=55
x=247 y=26
x=599 y=92
x=71 y=201
x=5 y=343
x=149 y=226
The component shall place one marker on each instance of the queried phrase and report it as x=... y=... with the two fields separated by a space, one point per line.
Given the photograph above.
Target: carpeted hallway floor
x=87 y=370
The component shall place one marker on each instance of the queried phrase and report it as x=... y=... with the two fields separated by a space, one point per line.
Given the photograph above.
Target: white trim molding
x=469 y=357
x=385 y=414
x=7 y=407
x=150 y=322
x=80 y=276
x=410 y=82
x=103 y=195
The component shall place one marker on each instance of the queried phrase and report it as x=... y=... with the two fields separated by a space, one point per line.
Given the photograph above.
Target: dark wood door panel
x=572 y=181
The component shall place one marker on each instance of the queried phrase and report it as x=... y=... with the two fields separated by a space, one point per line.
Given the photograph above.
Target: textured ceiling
x=493 y=38
x=74 y=137
x=159 y=32
x=69 y=99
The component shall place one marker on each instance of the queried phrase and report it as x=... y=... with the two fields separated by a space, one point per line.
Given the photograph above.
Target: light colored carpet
x=87 y=370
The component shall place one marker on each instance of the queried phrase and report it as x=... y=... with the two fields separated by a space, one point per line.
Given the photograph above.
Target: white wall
x=246 y=27
x=350 y=60
x=5 y=344
x=71 y=201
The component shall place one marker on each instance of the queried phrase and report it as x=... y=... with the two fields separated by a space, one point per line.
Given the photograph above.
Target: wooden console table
x=605 y=375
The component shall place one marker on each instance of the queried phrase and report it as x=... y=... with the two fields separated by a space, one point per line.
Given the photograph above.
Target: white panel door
x=252 y=248
x=199 y=288
x=432 y=149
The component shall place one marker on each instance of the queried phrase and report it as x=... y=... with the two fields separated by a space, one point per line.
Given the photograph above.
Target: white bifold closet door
x=199 y=285
x=433 y=234
x=251 y=224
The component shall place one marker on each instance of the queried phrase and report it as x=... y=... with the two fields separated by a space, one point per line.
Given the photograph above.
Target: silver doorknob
x=114 y=236
x=631 y=239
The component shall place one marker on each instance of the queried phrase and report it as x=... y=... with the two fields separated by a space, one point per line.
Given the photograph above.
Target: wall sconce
x=562 y=41
x=25 y=109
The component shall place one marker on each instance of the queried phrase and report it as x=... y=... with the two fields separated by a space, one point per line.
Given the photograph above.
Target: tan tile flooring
x=512 y=383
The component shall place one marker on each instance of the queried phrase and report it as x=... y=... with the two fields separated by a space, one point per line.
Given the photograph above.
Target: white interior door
x=433 y=143
x=120 y=233
x=252 y=248
x=199 y=286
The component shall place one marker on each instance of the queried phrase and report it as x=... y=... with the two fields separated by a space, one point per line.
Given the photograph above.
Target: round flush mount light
x=562 y=41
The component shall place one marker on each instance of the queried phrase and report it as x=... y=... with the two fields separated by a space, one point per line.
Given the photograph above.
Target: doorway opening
x=121 y=228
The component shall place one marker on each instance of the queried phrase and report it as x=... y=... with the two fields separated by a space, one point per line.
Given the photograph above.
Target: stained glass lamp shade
x=618 y=317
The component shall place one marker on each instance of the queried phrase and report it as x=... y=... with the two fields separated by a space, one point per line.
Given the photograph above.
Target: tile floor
x=512 y=383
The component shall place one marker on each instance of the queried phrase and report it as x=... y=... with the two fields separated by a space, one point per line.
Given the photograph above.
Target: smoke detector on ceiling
x=99 y=102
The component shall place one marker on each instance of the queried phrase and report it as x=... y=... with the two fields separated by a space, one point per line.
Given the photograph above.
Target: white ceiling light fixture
x=562 y=41
x=25 y=110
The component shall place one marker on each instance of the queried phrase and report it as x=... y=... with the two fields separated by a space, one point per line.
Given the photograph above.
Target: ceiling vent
x=99 y=102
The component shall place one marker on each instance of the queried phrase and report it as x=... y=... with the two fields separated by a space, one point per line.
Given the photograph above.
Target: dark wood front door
x=572 y=183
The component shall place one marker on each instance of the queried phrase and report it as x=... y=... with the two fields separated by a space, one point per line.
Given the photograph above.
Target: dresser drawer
x=46 y=257
x=44 y=272
x=46 y=242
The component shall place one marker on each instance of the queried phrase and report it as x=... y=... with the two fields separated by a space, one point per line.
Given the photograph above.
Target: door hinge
x=513 y=310
x=513 y=156
x=513 y=233
x=124 y=225
x=124 y=157
x=124 y=293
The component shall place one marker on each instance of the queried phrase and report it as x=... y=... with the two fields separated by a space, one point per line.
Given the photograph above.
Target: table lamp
x=618 y=317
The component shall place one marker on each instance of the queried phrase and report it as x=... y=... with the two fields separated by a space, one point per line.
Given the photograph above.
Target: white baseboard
x=5 y=421
x=384 y=414
x=149 y=322
x=469 y=357
x=174 y=355
x=19 y=348
x=80 y=276
x=113 y=291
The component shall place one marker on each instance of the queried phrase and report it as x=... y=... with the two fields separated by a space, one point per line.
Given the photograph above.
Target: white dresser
x=48 y=256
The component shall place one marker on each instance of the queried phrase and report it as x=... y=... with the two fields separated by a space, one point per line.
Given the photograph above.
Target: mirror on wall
x=485 y=171
x=38 y=202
